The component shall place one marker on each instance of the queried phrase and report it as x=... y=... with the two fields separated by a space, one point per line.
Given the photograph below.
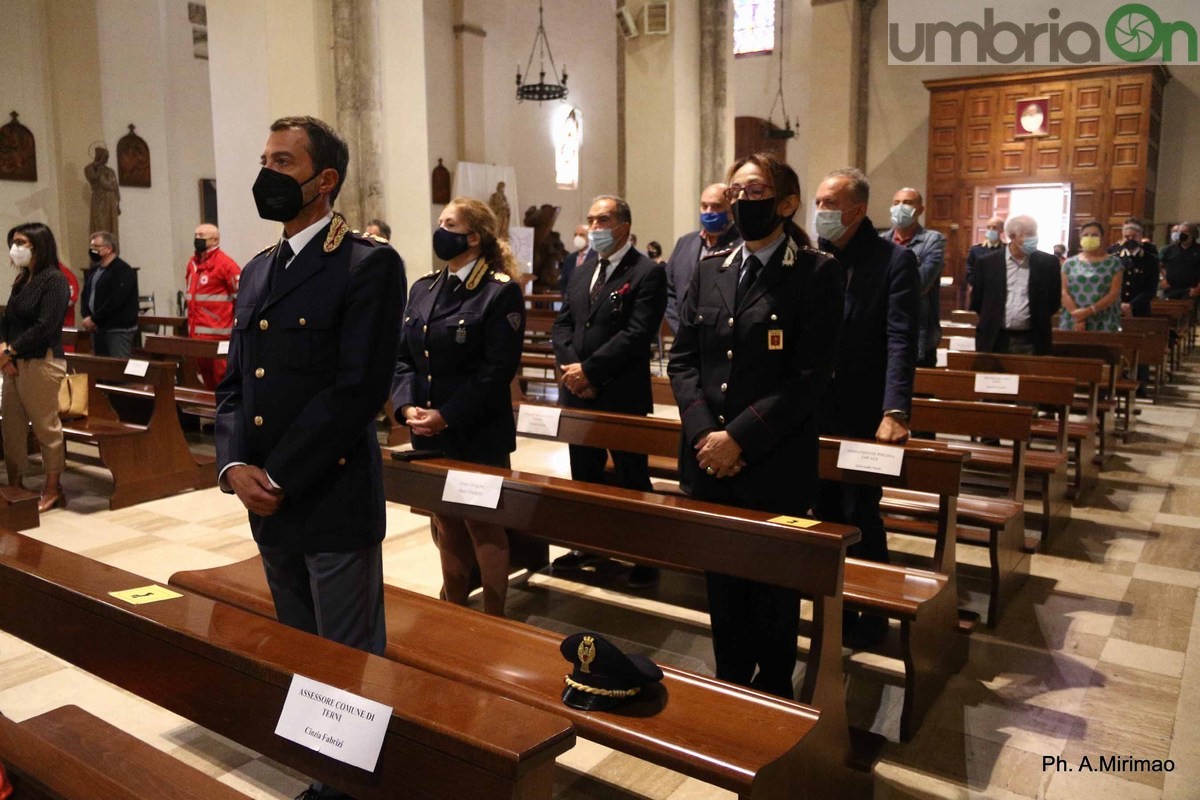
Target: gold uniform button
x=731 y=322
x=303 y=322
x=429 y=404
x=258 y=373
x=235 y=322
x=263 y=324
x=587 y=324
x=774 y=318
x=427 y=354
x=424 y=329
x=724 y=387
x=462 y=322
x=258 y=421
x=699 y=318
x=429 y=378
x=729 y=355
x=721 y=419
x=341 y=462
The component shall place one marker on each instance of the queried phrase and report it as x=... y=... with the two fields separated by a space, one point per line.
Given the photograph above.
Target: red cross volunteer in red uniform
x=212 y=285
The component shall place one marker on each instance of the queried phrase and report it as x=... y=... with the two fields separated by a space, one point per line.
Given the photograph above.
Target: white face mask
x=580 y=242
x=21 y=256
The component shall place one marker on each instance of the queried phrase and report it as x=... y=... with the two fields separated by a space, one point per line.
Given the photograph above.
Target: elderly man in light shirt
x=1016 y=291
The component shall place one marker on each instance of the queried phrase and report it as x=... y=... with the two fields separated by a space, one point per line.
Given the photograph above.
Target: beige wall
x=80 y=74
x=1179 y=159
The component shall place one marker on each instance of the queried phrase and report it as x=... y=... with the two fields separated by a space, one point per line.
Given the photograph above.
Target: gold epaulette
x=501 y=277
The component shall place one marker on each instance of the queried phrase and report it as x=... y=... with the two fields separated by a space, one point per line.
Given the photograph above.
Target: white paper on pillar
x=479 y=181
x=966 y=343
x=520 y=240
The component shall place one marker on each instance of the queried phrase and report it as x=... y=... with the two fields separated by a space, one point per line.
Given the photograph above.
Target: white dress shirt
x=1016 y=304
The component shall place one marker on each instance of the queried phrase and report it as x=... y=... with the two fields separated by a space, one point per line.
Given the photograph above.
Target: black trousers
x=857 y=505
x=754 y=625
x=632 y=469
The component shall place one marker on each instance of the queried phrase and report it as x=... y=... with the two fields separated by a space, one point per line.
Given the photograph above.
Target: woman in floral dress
x=1091 y=285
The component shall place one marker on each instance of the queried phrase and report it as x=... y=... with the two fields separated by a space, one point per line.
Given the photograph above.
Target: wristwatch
x=897 y=414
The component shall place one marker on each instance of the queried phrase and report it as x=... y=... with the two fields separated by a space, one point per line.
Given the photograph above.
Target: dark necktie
x=282 y=256
x=750 y=269
x=598 y=286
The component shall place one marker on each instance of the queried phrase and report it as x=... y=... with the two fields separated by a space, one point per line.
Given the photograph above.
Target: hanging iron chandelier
x=541 y=90
x=787 y=131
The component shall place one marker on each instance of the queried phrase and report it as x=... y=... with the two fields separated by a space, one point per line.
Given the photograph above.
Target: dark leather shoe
x=642 y=576
x=574 y=561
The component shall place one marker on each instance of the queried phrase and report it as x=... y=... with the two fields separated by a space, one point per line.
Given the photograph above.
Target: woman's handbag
x=73 y=396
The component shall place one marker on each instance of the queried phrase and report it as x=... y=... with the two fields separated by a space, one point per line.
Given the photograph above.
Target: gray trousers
x=114 y=344
x=337 y=596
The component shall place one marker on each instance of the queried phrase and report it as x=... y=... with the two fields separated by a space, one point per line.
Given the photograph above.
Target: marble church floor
x=1099 y=654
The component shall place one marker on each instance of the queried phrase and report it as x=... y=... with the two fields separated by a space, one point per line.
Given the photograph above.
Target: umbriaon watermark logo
x=1040 y=33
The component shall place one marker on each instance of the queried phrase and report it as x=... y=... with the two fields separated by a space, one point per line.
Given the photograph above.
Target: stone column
x=359 y=107
x=716 y=43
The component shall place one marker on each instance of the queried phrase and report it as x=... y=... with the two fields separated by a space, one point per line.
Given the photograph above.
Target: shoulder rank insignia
x=501 y=277
x=729 y=259
x=337 y=231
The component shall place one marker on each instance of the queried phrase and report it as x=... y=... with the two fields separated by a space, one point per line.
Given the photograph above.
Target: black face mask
x=94 y=255
x=756 y=218
x=201 y=245
x=280 y=197
x=448 y=244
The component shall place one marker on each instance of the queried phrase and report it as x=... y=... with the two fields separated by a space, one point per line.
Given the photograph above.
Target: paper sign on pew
x=997 y=383
x=962 y=343
x=538 y=420
x=137 y=367
x=223 y=347
x=472 y=488
x=881 y=459
x=941 y=356
x=334 y=722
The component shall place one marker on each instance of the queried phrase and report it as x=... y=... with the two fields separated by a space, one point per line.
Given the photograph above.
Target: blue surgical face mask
x=1029 y=245
x=828 y=224
x=601 y=240
x=903 y=215
x=714 y=221
x=992 y=236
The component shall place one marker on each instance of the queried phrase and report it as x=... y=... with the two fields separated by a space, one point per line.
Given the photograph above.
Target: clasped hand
x=577 y=382
x=424 y=421
x=719 y=455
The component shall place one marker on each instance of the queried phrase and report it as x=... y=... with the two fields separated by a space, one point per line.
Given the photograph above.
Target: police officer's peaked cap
x=603 y=677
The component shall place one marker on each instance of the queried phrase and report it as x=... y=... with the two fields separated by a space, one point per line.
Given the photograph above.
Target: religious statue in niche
x=133 y=160
x=440 y=184
x=106 y=194
x=498 y=202
x=18 y=153
x=548 y=250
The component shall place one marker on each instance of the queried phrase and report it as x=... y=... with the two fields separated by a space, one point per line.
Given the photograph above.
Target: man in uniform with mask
x=611 y=313
x=574 y=260
x=993 y=240
x=930 y=249
x=717 y=234
x=212 y=284
x=870 y=396
x=1017 y=292
x=310 y=364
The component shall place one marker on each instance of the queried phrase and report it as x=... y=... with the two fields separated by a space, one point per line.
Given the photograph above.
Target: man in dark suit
x=611 y=313
x=870 y=396
x=717 y=234
x=1016 y=291
x=575 y=259
x=310 y=364
x=110 y=298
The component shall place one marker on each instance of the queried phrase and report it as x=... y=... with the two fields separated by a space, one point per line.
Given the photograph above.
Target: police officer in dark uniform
x=993 y=240
x=310 y=362
x=459 y=350
x=1140 y=283
x=755 y=348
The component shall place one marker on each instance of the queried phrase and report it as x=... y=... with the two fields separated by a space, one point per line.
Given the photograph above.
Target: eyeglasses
x=753 y=191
